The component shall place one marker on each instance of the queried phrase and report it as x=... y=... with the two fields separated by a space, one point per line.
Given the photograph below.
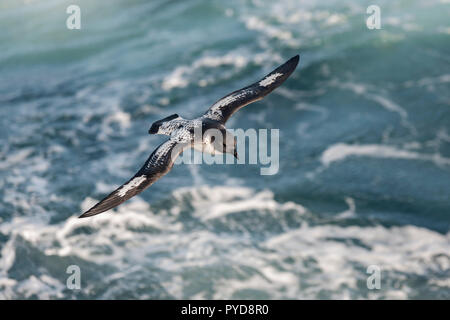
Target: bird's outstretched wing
x=158 y=164
x=223 y=109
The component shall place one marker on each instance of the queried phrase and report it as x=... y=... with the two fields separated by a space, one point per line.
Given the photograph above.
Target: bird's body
x=206 y=133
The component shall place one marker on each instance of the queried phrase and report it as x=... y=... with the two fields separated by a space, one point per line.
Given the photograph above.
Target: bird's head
x=156 y=126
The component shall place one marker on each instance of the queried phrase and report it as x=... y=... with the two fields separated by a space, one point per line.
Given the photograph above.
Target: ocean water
x=364 y=177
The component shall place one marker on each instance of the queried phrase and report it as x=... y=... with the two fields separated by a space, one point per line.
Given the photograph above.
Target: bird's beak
x=235 y=154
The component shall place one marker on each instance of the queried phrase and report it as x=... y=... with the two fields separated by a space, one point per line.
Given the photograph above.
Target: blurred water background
x=364 y=173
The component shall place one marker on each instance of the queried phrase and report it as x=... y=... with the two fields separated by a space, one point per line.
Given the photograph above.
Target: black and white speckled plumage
x=224 y=108
x=183 y=133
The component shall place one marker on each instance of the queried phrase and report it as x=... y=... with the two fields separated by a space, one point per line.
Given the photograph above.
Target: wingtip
x=84 y=215
x=295 y=59
x=88 y=214
x=289 y=66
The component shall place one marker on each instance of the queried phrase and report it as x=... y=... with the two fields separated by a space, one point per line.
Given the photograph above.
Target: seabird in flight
x=181 y=132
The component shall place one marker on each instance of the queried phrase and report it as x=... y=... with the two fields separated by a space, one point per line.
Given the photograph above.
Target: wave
x=341 y=151
x=309 y=261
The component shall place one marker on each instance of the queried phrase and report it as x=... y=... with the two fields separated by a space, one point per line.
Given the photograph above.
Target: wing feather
x=157 y=165
x=224 y=108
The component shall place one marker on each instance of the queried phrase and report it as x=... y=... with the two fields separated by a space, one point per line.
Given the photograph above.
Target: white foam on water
x=389 y=105
x=304 y=262
x=364 y=90
x=179 y=78
x=350 y=212
x=428 y=81
x=119 y=117
x=341 y=151
x=255 y=23
x=293 y=23
x=381 y=99
x=24 y=180
x=407 y=249
x=322 y=111
x=44 y=287
x=217 y=202
x=15 y=158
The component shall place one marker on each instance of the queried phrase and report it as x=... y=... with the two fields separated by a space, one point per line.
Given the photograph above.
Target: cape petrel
x=181 y=132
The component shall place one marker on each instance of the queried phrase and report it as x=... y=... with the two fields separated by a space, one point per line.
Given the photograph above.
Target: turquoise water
x=364 y=173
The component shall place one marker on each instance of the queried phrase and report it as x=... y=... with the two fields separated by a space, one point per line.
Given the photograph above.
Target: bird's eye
x=213 y=139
